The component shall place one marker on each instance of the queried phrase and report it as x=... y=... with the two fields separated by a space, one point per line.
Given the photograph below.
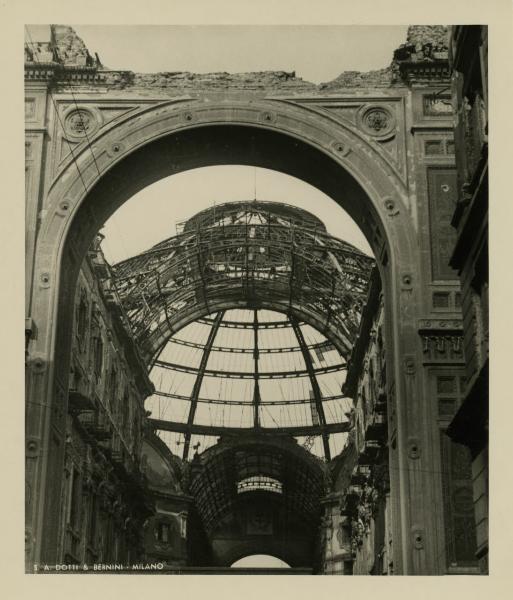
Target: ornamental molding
x=377 y=121
x=81 y=122
x=166 y=117
x=447 y=326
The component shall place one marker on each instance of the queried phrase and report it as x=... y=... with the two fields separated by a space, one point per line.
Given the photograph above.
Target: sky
x=152 y=214
x=260 y=560
x=315 y=53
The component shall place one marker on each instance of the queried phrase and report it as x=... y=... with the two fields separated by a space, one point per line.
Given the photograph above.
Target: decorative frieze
x=437 y=105
x=442 y=340
x=442 y=195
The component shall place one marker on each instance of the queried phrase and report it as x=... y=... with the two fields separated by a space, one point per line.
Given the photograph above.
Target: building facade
x=469 y=54
x=104 y=498
x=397 y=499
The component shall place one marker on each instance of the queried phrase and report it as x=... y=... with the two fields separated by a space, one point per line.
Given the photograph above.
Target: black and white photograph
x=256 y=299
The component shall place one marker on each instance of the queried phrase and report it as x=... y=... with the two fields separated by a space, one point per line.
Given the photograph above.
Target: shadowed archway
x=357 y=178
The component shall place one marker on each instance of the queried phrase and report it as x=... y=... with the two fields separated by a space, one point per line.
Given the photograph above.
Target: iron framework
x=250 y=255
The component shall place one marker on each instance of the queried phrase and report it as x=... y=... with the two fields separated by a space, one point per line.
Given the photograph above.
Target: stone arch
x=366 y=165
x=259 y=521
x=241 y=557
x=168 y=138
x=291 y=556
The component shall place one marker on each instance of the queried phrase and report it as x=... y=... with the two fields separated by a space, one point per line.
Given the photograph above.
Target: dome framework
x=245 y=254
x=270 y=304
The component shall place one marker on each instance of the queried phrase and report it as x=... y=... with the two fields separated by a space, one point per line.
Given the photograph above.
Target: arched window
x=260 y=561
x=125 y=413
x=98 y=355
x=82 y=311
x=163 y=532
x=113 y=391
x=259 y=482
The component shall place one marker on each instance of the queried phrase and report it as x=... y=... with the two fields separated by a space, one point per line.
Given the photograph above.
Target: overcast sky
x=315 y=53
x=152 y=215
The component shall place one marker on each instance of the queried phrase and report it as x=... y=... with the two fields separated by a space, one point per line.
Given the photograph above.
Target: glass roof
x=247 y=254
x=249 y=368
x=246 y=318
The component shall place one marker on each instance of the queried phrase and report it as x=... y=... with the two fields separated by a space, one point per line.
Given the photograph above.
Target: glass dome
x=249 y=368
x=246 y=319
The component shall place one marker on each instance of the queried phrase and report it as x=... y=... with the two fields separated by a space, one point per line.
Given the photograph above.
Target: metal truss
x=248 y=375
x=243 y=403
x=316 y=390
x=245 y=254
x=215 y=430
x=217 y=472
x=326 y=345
x=249 y=255
x=201 y=371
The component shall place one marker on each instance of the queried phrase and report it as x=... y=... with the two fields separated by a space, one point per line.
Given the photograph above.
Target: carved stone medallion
x=377 y=121
x=80 y=123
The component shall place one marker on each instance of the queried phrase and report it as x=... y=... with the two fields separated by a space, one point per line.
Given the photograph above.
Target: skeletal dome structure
x=247 y=318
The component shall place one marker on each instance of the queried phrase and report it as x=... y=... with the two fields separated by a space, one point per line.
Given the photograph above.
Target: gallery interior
x=252 y=385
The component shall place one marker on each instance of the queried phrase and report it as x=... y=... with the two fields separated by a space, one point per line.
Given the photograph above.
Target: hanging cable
x=83 y=129
x=52 y=99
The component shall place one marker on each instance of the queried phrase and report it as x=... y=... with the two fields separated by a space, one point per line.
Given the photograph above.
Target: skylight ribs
x=209 y=430
x=199 y=380
x=249 y=259
x=324 y=345
x=250 y=375
x=316 y=390
x=256 y=388
x=244 y=403
x=252 y=256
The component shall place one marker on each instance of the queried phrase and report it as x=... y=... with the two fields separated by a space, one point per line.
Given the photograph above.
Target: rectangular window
x=163 y=533
x=441 y=300
x=442 y=196
x=98 y=355
x=93 y=510
x=82 y=312
x=433 y=147
x=437 y=105
x=76 y=489
x=456 y=474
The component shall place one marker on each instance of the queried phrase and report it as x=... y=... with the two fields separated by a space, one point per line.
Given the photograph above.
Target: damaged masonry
x=253 y=385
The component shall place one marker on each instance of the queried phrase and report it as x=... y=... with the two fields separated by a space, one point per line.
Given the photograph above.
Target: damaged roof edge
x=62 y=45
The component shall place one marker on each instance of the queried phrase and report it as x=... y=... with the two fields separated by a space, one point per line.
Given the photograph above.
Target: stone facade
x=381 y=145
x=64 y=48
x=366 y=503
x=104 y=497
x=469 y=52
x=122 y=498
x=166 y=530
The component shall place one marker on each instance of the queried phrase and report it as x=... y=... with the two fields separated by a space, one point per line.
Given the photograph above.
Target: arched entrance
x=260 y=561
x=259 y=495
x=172 y=137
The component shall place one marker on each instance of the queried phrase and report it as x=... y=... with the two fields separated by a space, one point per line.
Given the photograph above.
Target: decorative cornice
x=438 y=325
x=425 y=56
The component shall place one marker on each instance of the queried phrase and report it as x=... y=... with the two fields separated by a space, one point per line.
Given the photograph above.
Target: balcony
x=97 y=424
x=377 y=429
x=79 y=403
x=476 y=127
x=370 y=452
x=471 y=134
